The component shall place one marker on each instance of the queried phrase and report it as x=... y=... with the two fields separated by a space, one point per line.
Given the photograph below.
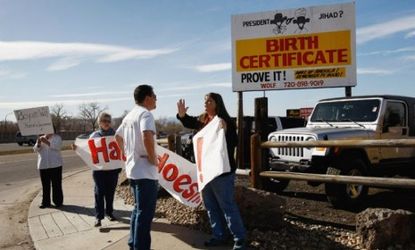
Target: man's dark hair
x=141 y=92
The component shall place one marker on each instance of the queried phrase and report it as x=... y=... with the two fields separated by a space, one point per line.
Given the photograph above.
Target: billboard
x=311 y=47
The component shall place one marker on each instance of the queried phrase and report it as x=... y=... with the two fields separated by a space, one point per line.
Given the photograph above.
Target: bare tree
x=89 y=112
x=58 y=116
x=168 y=126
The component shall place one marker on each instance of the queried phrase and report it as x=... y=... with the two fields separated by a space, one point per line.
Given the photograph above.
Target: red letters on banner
x=112 y=151
x=170 y=172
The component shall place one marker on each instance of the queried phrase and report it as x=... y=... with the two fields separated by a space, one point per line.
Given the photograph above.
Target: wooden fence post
x=171 y=143
x=256 y=161
x=178 y=144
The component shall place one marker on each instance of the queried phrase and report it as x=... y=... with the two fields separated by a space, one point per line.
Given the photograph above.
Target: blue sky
x=74 y=52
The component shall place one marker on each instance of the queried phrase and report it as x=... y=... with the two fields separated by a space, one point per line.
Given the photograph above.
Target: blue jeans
x=105 y=185
x=145 y=197
x=218 y=197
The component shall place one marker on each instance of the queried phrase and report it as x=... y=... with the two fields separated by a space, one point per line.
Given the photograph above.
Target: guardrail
x=257 y=167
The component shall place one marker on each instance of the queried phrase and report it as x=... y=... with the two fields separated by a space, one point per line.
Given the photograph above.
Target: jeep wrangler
x=359 y=117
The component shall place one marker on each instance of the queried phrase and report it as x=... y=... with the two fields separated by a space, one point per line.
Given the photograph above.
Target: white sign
x=101 y=153
x=34 y=121
x=176 y=174
x=211 y=153
x=179 y=177
x=312 y=47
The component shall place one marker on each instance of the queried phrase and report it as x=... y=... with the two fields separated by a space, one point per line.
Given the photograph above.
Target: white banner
x=211 y=153
x=100 y=153
x=179 y=177
x=34 y=121
x=176 y=174
x=310 y=47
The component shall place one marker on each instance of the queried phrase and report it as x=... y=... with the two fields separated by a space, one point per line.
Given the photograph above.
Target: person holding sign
x=136 y=139
x=49 y=164
x=105 y=179
x=218 y=194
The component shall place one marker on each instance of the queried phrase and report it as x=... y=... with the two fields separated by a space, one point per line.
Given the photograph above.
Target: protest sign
x=176 y=174
x=312 y=47
x=101 y=153
x=211 y=152
x=179 y=177
x=34 y=121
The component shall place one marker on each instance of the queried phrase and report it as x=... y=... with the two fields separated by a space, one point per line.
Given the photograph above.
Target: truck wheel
x=20 y=143
x=275 y=185
x=347 y=195
x=31 y=143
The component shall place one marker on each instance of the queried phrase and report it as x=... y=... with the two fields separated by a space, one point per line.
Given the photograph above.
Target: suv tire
x=347 y=195
x=275 y=185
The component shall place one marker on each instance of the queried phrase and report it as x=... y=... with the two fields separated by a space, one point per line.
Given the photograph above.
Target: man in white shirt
x=136 y=138
x=49 y=164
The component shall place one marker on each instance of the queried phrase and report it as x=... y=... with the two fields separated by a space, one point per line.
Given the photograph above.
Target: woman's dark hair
x=141 y=92
x=220 y=106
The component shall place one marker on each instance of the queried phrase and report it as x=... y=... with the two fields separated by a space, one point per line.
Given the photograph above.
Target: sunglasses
x=106 y=121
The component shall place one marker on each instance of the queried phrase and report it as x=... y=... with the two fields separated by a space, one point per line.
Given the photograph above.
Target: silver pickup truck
x=360 y=117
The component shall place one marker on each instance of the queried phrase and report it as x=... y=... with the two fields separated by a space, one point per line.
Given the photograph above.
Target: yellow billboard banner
x=294 y=51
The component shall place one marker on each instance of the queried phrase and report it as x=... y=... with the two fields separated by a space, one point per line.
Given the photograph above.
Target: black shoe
x=58 y=205
x=97 y=223
x=111 y=217
x=239 y=245
x=42 y=206
x=213 y=242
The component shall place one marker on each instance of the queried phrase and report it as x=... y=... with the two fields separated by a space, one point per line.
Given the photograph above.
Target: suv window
x=395 y=114
x=350 y=110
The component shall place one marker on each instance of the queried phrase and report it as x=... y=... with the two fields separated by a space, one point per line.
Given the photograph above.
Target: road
x=19 y=184
x=14 y=146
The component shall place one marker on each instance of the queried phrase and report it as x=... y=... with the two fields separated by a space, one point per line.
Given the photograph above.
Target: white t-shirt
x=49 y=156
x=133 y=125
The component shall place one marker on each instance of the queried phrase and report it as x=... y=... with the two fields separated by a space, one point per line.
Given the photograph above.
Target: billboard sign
x=311 y=47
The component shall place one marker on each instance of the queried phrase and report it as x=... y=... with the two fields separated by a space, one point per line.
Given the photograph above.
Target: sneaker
x=214 y=242
x=97 y=223
x=239 y=245
x=111 y=217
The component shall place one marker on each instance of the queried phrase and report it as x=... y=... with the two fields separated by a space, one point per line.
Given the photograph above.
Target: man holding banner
x=136 y=138
x=214 y=147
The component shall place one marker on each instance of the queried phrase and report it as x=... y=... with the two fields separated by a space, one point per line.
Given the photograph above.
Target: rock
x=260 y=209
x=380 y=228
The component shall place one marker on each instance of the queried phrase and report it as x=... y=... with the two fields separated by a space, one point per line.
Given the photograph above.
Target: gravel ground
x=310 y=221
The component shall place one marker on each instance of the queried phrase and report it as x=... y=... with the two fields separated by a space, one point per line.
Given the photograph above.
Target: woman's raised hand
x=181 y=108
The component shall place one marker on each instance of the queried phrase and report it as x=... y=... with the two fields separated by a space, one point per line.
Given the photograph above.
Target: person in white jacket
x=49 y=164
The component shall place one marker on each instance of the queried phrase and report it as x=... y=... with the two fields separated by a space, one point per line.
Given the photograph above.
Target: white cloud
x=381 y=30
x=199 y=86
x=410 y=34
x=64 y=63
x=214 y=67
x=91 y=94
x=373 y=71
x=410 y=58
x=71 y=54
x=387 y=52
x=5 y=73
x=72 y=102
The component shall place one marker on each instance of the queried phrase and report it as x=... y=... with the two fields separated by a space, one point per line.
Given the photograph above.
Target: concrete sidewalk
x=72 y=225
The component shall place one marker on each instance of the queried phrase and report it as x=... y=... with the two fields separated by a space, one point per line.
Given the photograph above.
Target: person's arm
x=149 y=144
